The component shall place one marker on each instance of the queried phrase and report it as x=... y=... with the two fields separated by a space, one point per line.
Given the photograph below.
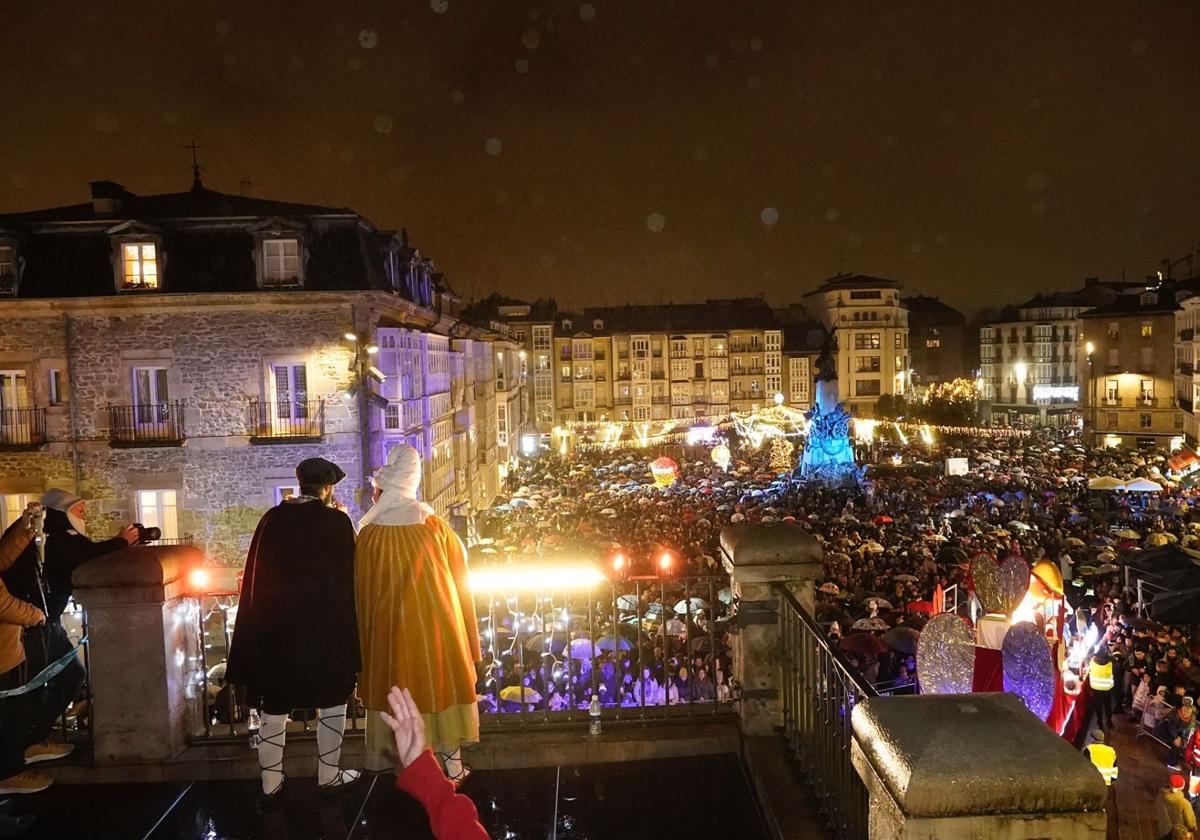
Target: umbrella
x=874 y=547
x=1156 y=540
x=1127 y=534
x=862 y=643
x=1016 y=523
x=725 y=596
x=906 y=578
x=882 y=520
x=627 y=603
x=903 y=639
x=1075 y=542
x=920 y=607
x=1106 y=482
x=829 y=588
x=1143 y=485
x=520 y=694
x=675 y=627
x=611 y=642
x=655 y=608
x=553 y=642
x=690 y=605
x=869 y=624
x=881 y=603
x=936 y=538
x=582 y=649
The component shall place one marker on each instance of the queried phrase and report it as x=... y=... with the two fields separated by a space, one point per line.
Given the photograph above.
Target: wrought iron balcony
x=157 y=424
x=1188 y=334
x=1185 y=368
x=294 y=421
x=22 y=428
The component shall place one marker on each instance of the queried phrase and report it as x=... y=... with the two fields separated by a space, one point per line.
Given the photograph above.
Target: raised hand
x=407 y=725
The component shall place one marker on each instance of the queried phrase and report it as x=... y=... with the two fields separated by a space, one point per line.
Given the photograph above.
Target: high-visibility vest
x=1100 y=677
x=1104 y=758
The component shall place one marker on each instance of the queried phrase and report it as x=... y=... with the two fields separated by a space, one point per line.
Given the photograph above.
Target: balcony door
x=151 y=398
x=288 y=387
x=16 y=420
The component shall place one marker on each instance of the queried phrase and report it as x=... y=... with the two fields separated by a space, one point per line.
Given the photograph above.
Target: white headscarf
x=399 y=481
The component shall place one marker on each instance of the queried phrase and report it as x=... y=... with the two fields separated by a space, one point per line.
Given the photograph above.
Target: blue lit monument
x=828 y=456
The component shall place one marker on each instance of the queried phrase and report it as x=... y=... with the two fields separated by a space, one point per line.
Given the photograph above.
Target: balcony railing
x=158 y=424
x=22 y=428
x=287 y=421
x=820 y=689
x=1185 y=368
x=1188 y=334
x=600 y=641
x=603 y=642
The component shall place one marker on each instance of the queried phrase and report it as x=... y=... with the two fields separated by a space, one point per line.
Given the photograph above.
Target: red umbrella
x=864 y=644
x=882 y=520
x=920 y=607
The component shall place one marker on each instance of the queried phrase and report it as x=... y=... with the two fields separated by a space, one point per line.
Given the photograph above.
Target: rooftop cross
x=195 y=165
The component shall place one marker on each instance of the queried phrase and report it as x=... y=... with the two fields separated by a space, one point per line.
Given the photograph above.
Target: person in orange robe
x=416 y=618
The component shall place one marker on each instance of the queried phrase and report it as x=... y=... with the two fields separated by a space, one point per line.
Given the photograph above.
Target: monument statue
x=828 y=456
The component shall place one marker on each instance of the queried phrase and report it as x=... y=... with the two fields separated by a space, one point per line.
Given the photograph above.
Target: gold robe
x=417 y=630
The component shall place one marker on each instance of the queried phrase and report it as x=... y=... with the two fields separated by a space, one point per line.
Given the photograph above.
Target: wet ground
x=697 y=798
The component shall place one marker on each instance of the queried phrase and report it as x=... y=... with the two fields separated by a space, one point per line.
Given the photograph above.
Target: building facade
x=871 y=326
x=1029 y=357
x=937 y=338
x=173 y=357
x=1127 y=370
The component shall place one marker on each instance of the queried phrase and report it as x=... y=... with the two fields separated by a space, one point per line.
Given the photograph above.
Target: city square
x=726 y=421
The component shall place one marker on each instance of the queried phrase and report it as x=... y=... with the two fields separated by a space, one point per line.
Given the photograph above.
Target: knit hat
x=60 y=500
x=1177 y=781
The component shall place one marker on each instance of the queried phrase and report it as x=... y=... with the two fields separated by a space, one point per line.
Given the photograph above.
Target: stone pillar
x=759 y=558
x=969 y=767
x=144 y=639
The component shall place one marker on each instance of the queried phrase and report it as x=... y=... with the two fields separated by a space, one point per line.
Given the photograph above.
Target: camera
x=147 y=535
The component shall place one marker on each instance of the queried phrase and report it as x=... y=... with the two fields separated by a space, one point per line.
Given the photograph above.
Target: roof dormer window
x=281 y=262
x=139 y=266
x=8 y=269
x=598 y=324
x=1149 y=298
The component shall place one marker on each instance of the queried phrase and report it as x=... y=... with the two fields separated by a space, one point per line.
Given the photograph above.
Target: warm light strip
x=536 y=578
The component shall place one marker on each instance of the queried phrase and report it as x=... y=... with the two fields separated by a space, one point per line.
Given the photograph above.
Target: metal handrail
x=820 y=690
x=147 y=423
x=282 y=419
x=22 y=426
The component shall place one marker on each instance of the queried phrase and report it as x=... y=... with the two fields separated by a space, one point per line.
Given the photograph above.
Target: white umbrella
x=1143 y=485
x=683 y=607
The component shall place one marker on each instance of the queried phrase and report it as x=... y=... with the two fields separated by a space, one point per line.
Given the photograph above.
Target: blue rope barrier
x=46 y=674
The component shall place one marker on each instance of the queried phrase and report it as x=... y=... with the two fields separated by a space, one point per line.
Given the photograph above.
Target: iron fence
x=651 y=647
x=22 y=427
x=821 y=688
x=286 y=419
x=75 y=723
x=156 y=424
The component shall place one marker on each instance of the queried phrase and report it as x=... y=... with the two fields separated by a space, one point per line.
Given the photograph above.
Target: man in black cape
x=295 y=642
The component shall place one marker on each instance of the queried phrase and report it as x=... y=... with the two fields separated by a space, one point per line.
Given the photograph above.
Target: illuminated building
x=173 y=357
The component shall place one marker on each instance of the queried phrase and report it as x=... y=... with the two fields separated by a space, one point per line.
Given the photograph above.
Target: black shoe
x=271 y=803
x=16 y=826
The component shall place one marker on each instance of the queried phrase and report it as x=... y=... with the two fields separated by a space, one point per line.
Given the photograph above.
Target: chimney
x=107 y=198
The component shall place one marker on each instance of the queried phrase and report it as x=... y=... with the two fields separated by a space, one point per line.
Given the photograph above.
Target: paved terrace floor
x=1143 y=773
x=698 y=798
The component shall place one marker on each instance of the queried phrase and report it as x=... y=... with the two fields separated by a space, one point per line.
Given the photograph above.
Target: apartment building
x=937 y=337
x=173 y=357
x=1127 y=371
x=1029 y=356
x=872 y=333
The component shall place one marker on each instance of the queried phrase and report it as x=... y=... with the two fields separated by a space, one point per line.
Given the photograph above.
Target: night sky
x=604 y=152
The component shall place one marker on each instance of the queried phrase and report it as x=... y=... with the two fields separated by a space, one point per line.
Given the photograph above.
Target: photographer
x=67 y=548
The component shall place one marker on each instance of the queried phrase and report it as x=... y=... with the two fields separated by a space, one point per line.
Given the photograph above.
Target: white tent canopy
x=1107 y=482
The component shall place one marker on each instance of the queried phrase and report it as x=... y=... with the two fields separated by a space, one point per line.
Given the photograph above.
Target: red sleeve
x=452 y=816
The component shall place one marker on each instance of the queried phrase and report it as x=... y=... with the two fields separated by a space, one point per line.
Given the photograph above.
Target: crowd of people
x=896 y=551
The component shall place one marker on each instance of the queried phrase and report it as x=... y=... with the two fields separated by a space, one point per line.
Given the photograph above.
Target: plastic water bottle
x=252 y=722
x=594 y=715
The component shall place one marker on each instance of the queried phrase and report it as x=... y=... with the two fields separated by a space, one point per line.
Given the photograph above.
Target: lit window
x=159 y=509
x=1147 y=330
x=140 y=260
x=281 y=262
x=283 y=492
x=391 y=417
x=933 y=342
x=12 y=505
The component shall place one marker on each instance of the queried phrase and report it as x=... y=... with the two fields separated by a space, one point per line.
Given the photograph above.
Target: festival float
x=1022 y=643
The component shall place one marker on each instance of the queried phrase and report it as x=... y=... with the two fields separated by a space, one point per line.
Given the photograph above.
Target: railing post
x=759 y=557
x=143 y=650
x=971 y=765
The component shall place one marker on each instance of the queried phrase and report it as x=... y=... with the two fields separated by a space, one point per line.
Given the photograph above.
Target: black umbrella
x=1182 y=607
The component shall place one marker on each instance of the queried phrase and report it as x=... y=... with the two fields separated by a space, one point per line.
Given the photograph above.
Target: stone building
x=173 y=357
x=937 y=336
x=872 y=333
x=1126 y=367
